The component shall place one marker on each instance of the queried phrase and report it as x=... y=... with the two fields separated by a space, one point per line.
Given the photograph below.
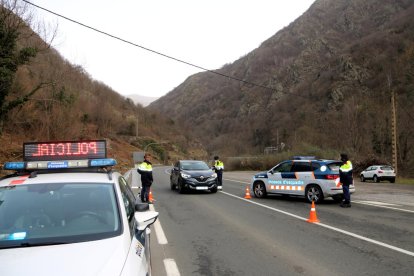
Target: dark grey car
x=189 y=175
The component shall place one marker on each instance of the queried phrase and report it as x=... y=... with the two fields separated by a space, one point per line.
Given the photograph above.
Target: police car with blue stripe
x=65 y=211
x=301 y=176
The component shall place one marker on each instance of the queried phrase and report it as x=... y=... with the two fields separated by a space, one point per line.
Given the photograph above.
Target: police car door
x=137 y=261
x=303 y=175
x=277 y=177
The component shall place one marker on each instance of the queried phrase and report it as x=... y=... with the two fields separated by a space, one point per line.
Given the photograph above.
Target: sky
x=208 y=34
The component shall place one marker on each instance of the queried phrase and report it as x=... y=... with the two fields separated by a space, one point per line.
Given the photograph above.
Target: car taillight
x=331 y=176
x=380 y=171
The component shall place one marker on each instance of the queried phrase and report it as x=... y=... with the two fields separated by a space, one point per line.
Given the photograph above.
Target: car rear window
x=386 y=168
x=334 y=166
x=315 y=166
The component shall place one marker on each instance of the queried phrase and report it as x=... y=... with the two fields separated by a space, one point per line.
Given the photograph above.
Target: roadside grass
x=408 y=181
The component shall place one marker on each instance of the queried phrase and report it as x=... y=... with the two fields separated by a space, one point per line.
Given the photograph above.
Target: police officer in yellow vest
x=145 y=170
x=346 y=179
x=218 y=168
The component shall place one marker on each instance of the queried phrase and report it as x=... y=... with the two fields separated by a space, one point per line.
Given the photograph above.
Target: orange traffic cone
x=247 y=195
x=150 y=198
x=312 y=216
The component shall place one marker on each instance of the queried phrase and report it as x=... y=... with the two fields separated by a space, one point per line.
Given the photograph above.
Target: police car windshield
x=39 y=214
x=194 y=166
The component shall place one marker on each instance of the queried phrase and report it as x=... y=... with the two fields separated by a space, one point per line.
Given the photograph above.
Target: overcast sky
x=208 y=34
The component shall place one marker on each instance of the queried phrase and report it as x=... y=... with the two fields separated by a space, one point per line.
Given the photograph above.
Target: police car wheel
x=314 y=193
x=259 y=190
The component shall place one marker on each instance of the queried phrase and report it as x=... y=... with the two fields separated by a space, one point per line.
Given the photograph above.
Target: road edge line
x=401 y=250
x=159 y=232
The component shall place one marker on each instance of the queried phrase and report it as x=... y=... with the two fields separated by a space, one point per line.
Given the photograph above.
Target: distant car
x=313 y=179
x=378 y=173
x=71 y=217
x=193 y=175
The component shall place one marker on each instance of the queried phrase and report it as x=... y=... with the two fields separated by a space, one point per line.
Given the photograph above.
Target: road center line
x=370 y=203
x=328 y=226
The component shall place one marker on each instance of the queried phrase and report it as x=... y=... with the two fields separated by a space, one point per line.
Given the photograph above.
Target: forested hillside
x=44 y=97
x=330 y=75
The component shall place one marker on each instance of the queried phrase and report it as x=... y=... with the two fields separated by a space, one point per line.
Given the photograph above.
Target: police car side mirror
x=145 y=219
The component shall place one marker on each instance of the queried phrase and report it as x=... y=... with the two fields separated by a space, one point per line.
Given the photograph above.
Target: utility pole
x=393 y=127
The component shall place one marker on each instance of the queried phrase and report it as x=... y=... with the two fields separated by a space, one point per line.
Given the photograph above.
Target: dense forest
x=321 y=86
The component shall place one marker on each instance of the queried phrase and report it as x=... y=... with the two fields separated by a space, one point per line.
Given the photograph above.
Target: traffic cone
x=247 y=195
x=312 y=216
x=150 y=199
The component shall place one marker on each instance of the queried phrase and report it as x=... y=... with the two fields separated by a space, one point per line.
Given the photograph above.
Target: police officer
x=145 y=170
x=218 y=168
x=345 y=176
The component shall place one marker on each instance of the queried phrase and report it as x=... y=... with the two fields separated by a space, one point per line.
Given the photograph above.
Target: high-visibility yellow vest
x=145 y=167
x=346 y=167
x=219 y=165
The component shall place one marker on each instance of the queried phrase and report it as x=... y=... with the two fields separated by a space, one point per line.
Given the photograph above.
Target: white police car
x=311 y=178
x=66 y=212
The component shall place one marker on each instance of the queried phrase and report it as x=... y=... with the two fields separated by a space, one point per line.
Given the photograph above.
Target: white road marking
x=171 y=267
x=237 y=181
x=328 y=226
x=159 y=232
x=370 y=203
x=377 y=203
x=382 y=205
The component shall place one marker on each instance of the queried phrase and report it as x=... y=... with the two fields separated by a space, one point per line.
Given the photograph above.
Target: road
x=225 y=234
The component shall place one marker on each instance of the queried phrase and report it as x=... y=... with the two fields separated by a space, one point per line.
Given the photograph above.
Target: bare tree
x=16 y=50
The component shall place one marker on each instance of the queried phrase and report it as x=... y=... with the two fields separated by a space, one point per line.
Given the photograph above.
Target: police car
x=64 y=211
x=308 y=177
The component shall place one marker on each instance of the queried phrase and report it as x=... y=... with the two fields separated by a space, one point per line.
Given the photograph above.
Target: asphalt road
x=225 y=234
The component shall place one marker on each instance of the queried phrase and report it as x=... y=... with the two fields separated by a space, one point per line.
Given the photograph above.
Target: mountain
x=142 y=100
x=322 y=84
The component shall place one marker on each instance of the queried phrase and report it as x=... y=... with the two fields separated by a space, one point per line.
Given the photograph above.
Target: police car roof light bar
x=59 y=164
x=14 y=166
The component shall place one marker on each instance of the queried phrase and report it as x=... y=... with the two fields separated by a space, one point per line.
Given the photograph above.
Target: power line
x=148 y=49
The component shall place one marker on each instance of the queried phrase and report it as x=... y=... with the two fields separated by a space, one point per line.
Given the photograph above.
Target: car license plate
x=201 y=188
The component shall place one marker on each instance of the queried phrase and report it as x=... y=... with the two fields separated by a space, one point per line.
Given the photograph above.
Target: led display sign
x=64 y=150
